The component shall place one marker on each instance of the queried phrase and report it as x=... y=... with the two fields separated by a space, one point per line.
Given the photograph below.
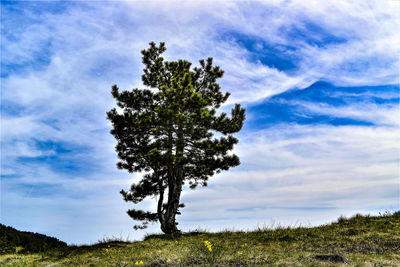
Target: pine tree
x=167 y=132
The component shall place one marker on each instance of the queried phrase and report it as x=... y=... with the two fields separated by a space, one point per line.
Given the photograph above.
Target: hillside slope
x=12 y=240
x=371 y=240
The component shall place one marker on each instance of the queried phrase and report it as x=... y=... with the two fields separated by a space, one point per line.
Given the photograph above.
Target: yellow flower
x=179 y=260
x=168 y=260
x=208 y=245
x=139 y=262
x=245 y=244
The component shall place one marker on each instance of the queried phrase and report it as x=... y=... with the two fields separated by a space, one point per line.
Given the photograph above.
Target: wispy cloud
x=304 y=174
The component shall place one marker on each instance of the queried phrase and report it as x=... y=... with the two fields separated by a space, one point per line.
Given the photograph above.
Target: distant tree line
x=12 y=240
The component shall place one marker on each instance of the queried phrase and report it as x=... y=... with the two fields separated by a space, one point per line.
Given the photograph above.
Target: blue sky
x=319 y=79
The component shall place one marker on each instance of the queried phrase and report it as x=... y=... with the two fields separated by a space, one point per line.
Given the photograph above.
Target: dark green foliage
x=167 y=132
x=11 y=238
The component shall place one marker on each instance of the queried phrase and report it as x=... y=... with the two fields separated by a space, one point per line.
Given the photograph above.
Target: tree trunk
x=168 y=225
x=175 y=181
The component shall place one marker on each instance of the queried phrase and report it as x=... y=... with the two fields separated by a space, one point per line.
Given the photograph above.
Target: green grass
x=357 y=241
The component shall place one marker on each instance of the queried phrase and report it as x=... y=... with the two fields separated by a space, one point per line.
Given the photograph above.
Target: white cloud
x=98 y=38
x=299 y=172
x=387 y=115
x=368 y=31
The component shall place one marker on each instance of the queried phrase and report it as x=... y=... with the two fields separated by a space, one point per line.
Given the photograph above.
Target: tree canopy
x=167 y=131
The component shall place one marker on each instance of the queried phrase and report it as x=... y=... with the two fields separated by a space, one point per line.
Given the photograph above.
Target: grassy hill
x=12 y=240
x=357 y=241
